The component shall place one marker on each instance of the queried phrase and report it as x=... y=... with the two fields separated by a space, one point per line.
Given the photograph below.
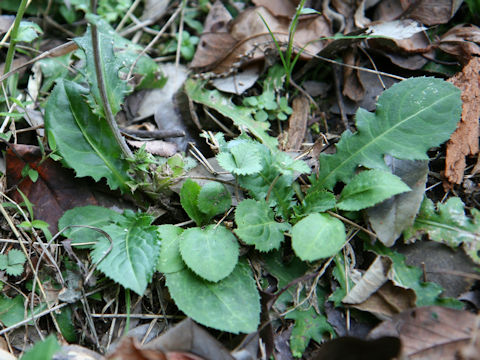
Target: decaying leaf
x=464 y=141
x=248 y=39
x=390 y=218
x=283 y=8
x=432 y=332
x=377 y=293
x=428 y=12
x=187 y=336
x=462 y=41
x=56 y=189
x=297 y=123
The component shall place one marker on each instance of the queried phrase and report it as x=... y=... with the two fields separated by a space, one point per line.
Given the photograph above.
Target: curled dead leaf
x=433 y=332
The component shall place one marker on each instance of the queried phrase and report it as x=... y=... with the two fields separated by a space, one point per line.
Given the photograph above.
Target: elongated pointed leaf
x=369 y=188
x=232 y=304
x=411 y=117
x=241 y=116
x=189 y=200
x=133 y=258
x=84 y=141
x=116 y=88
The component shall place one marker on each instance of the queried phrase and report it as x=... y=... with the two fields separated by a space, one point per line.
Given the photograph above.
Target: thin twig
x=154 y=40
x=155 y=134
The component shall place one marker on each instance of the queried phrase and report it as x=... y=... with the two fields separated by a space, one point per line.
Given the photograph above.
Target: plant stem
x=103 y=90
x=13 y=36
x=291 y=34
x=127 y=307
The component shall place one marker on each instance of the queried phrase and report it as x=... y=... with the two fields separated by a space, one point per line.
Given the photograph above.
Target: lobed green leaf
x=411 y=117
x=256 y=225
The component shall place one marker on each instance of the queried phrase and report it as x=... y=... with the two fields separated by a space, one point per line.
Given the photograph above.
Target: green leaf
x=428 y=293
x=211 y=253
x=85 y=141
x=12 y=311
x=232 y=305
x=241 y=116
x=270 y=180
x=43 y=349
x=369 y=188
x=214 y=199
x=54 y=69
x=28 y=31
x=448 y=224
x=66 y=324
x=94 y=216
x=318 y=236
x=256 y=225
x=169 y=259
x=243 y=159
x=314 y=202
x=13 y=262
x=116 y=88
x=411 y=117
x=189 y=200
x=134 y=255
x=308 y=326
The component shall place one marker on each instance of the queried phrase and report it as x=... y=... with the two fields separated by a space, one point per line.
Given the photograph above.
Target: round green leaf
x=232 y=305
x=318 y=236
x=169 y=259
x=211 y=253
x=214 y=199
x=257 y=226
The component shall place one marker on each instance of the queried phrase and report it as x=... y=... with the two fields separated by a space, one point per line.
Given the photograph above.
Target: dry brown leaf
x=215 y=42
x=284 y=8
x=388 y=301
x=430 y=12
x=464 y=141
x=352 y=84
x=378 y=294
x=251 y=39
x=462 y=41
x=432 y=332
x=56 y=189
x=297 y=124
